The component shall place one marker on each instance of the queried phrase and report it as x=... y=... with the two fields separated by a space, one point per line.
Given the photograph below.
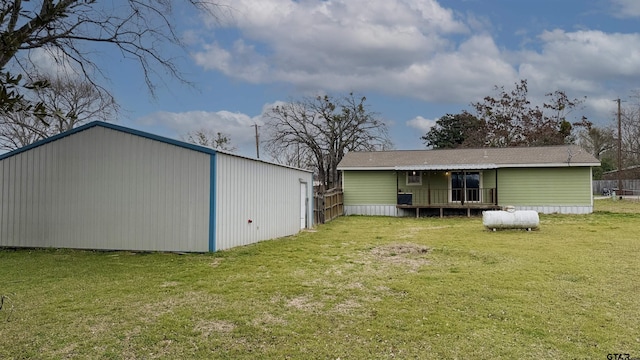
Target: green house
x=554 y=179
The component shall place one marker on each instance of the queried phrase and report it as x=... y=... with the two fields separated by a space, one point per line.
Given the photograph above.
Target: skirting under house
x=393 y=210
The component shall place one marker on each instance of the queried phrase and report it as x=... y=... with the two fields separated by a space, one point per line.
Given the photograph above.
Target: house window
x=469 y=181
x=414 y=178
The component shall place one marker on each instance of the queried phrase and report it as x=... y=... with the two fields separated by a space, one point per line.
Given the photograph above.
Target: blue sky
x=414 y=60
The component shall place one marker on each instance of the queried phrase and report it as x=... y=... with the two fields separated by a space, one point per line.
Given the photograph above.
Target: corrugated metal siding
x=369 y=187
x=106 y=189
x=576 y=210
x=267 y=195
x=545 y=186
x=374 y=210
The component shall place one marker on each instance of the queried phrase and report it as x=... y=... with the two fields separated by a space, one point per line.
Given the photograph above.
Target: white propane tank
x=511 y=219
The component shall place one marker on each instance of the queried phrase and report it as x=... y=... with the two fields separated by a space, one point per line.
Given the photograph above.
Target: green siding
x=436 y=180
x=379 y=187
x=544 y=186
x=489 y=179
x=369 y=187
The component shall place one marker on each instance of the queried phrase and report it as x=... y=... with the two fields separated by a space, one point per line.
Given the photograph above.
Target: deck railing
x=424 y=197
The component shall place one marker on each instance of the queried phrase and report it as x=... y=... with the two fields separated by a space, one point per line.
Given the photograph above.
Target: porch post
x=397 y=187
x=429 y=188
x=464 y=187
x=496 y=198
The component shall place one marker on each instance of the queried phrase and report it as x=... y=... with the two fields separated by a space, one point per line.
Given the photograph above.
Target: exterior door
x=465 y=186
x=303 y=205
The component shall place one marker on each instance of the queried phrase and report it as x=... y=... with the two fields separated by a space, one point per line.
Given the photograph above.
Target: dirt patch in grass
x=153 y=310
x=216 y=262
x=267 y=320
x=411 y=255
x=303 y=303
x=347 y=306
x=208 y=327
x=409 y=232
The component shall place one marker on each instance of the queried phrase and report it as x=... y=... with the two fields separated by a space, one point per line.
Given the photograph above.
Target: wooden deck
x=469 y=207
x=468 y=200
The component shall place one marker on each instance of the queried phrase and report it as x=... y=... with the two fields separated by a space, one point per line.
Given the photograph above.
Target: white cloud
x=584 y=63
x=591 y=54
x=405 y=47
x=414 y=48
x=626 y=8
x=422 y=124
x=238 y=126
x=54 y=63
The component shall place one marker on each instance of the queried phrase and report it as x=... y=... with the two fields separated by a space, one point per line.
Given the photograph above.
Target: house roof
x=469 y=159
x=143 y=134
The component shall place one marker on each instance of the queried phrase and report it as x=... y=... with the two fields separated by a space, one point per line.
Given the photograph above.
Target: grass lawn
x=357 y=288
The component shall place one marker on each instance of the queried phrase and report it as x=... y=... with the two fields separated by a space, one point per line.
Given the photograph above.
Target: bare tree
x=209 y=138
x=141 y=30
x=630 y=127
x=20 y=128
x=72 y=102
x=510 y=119
x=296 y=156
x=68 y=103
x=597 y=141
x=326 y=127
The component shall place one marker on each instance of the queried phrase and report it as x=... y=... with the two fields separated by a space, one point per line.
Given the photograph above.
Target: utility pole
x=619 y=151
x=257 y=141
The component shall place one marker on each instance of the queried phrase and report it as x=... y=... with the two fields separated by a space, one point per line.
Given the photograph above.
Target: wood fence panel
x=631 y=187
x=328 y=206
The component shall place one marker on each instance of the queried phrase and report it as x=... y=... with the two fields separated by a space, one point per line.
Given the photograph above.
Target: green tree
x=11 y=97
x=607 y=163
x=453 y=131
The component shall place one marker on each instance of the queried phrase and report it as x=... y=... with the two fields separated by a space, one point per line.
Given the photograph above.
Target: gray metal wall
x=105 y=189
x=268 y=195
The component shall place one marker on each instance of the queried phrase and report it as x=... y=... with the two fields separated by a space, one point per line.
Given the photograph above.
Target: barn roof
x=468 y=159
x=166 y=140
x=113 y=127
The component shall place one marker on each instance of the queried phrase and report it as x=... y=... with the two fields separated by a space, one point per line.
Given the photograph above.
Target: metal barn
x=104 y=186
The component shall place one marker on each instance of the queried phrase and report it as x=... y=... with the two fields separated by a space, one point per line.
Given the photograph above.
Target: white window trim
x=418 y=173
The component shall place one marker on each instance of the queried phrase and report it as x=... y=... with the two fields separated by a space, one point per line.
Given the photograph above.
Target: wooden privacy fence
x=629 y=186
x=328 y=206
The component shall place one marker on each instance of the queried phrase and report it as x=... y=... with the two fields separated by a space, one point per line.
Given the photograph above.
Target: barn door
x=303 y=205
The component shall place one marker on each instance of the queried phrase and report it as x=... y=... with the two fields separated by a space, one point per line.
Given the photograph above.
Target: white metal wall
x=257 y=201
x=105 y=189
